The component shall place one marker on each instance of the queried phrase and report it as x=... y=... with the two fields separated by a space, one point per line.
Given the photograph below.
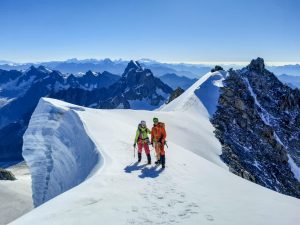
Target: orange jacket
x=158 y=133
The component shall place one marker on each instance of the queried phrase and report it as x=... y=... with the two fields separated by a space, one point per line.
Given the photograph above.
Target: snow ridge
x=204 y=93
x=57 y=149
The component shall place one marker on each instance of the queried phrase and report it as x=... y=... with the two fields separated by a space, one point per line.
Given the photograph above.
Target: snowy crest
x=202 y=96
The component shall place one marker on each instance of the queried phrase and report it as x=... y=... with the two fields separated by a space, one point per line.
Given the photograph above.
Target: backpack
x=162 y=125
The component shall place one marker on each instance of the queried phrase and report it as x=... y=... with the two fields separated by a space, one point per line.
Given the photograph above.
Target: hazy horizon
x=204 y=63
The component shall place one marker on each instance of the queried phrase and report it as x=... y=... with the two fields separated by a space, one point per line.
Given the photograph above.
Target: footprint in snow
x=92 y=201
x=209 y=217
x=134 y=209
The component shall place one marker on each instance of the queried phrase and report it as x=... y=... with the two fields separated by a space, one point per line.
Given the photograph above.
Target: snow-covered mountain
x=204 y=92
x=21 y=91
x=258 y=124
x=196 y=186
x=83 y=170
x=76 y=66
x=137 y=89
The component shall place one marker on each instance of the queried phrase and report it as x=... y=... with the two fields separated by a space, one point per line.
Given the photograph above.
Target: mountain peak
x=90 y=73
x=132 y=65
x=257 y=65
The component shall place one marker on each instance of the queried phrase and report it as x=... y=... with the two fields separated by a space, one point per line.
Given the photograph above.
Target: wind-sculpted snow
x=58 y=151
x=204 y=93
x=209 y=93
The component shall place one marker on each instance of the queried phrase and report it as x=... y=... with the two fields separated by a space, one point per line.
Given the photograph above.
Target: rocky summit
x=175 y=94
x=258 y=124
x=139 y=84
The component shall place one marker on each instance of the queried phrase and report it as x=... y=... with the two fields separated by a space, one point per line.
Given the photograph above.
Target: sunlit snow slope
x=202 y=96
x=193 y=189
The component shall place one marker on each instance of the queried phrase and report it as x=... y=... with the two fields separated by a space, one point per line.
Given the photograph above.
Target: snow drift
x=58 y=151
x=203 y=95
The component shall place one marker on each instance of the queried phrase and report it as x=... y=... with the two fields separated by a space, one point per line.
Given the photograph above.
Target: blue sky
x=165 y=30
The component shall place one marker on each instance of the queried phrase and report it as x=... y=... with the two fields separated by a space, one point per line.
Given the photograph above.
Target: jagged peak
x=257 y=65
x=132 y=65
x=90 y=73
x=40 y=68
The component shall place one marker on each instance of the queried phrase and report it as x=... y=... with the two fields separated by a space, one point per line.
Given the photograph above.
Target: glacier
x=58 y=151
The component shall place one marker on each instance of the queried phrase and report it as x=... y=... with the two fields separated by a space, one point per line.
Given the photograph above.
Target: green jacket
x=141 y=133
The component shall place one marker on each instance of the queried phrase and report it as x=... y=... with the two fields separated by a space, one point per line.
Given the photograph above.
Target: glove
x=134 y=145
x=152 y=144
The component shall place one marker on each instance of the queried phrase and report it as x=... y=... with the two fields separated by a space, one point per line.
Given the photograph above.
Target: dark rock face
x=140 y=84
x=6 y=175
x=217 y=68
x=136 y=84
x=175 y=94
x=257 y=123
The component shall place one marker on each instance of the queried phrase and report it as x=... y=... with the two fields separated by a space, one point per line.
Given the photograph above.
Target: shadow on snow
x=151 y=172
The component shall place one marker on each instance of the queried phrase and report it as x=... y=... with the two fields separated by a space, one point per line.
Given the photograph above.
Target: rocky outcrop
x=175 y=94
x=139 y=84
x=257 y=123
x=216 y=68
x=6 y=175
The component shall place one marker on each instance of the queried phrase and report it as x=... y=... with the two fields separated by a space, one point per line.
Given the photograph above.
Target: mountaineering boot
x=163 y=161
x=149 y=159
x=157 y=162
x=139 y=157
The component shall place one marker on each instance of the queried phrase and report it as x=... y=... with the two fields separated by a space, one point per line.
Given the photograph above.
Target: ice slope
x=191 y=190
x=58 y=151
x=203 y=95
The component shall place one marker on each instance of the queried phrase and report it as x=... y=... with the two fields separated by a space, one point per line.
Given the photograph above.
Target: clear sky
x=165 y=30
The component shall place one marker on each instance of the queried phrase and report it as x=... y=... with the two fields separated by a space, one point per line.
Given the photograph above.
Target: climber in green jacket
x=142 y=139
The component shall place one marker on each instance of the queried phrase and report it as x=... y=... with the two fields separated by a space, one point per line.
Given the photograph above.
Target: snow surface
x=204 y=93
x=193 y=189
x=58 y=151
x=15 y=196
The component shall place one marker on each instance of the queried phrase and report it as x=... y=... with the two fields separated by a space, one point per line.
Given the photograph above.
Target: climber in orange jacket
x=158 y=139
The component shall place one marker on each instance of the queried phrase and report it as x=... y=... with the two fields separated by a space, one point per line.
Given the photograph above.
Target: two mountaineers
x=142 y=140
x=158 y=141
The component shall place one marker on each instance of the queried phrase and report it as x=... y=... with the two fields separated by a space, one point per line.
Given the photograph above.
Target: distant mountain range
x=175 y=81
x=158 y=69
x=76 y=66
x=20 y=92
x=293 y=70
x=292 y=81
